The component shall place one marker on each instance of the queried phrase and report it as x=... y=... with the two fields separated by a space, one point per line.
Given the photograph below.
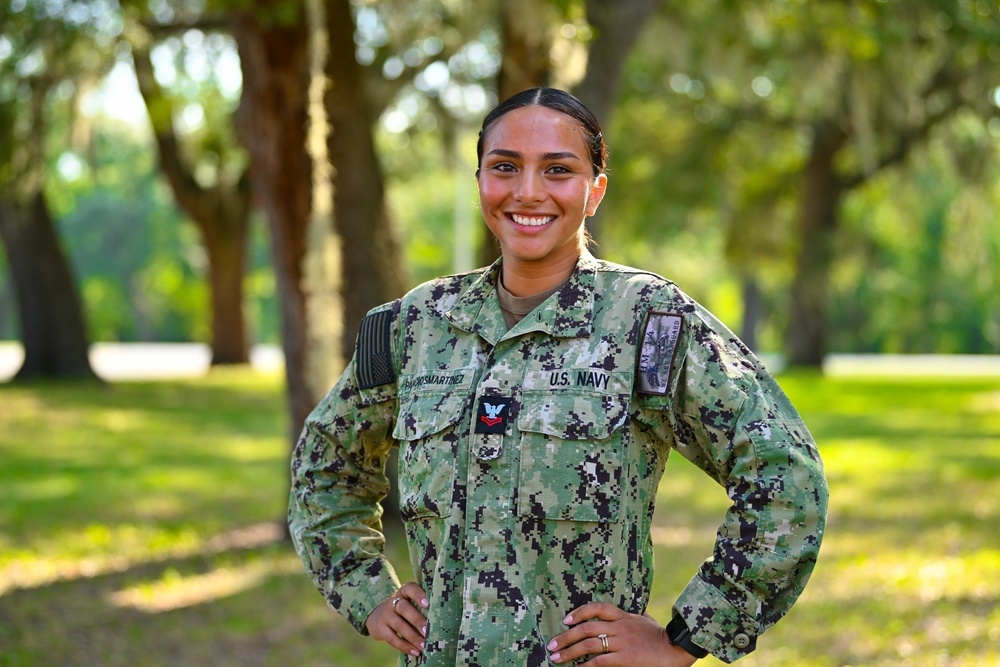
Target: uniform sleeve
x=728 y=416
x=338 y=481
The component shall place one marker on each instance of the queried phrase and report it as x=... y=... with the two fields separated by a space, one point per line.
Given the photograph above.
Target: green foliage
x=921 y=260
x=136 y=528
x=138 y=262
x=721 y=104
x=709 y=140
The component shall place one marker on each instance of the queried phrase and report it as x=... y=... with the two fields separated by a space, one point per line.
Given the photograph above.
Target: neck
x=527 y=278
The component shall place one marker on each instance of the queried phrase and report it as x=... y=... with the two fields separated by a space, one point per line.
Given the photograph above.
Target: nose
x=529 y=188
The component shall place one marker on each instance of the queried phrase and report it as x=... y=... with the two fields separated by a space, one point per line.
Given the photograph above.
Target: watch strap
x=679 y=635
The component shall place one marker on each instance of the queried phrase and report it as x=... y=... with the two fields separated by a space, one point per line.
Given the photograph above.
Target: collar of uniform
x=478 y=310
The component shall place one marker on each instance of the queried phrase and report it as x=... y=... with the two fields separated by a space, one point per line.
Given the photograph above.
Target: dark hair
x=557 y=100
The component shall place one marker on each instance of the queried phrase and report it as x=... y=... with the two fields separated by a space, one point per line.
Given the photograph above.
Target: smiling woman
x=536 y=189
x=535 y=403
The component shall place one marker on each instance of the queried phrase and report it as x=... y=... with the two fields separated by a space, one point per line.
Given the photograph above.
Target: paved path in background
x=145 y=361
x=149 y=361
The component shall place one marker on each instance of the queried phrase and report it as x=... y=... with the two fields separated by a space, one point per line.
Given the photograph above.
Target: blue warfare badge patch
x=491 y=416
x=656 y=356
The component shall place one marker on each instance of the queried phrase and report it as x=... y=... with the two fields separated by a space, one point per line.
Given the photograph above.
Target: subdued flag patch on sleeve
x=373 y=358
x=656 y=356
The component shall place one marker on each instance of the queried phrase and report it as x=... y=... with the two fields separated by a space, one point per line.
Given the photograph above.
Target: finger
x=402 y=645
x=414 y=593
x=412 y=615
x=580 y=634
x=586 y=646
x=403 y=629
x=594 y=610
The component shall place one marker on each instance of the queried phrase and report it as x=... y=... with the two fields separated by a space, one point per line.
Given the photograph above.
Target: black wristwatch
x=679 y=635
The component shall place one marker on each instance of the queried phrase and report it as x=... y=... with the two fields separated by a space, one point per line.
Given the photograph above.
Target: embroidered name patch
x=491 y=417
x=656 y=356
x=579 y=378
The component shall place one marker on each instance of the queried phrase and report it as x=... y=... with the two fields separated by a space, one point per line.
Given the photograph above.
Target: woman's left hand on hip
x=615 y=637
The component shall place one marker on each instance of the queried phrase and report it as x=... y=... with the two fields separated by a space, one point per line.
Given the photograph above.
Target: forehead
x=536 y=129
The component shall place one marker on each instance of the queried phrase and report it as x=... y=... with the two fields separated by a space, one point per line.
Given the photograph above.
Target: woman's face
x=537 y=185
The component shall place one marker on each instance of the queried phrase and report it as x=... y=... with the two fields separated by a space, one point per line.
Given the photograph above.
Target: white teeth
x=529 y=221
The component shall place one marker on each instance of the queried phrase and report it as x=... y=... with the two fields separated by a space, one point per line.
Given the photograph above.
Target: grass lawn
x=139 y=526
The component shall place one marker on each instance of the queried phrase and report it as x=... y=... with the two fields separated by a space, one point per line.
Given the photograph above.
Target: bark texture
x=272 y=124
x=220 y=212
x=805 y=339
x=53 y=331
x=616 y=25
x=371 y=261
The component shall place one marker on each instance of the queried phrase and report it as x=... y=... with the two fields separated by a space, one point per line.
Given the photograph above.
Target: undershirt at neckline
x=514 y=308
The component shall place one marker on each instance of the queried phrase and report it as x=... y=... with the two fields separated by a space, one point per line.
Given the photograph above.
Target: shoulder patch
x=657 y=352
x=373 y=358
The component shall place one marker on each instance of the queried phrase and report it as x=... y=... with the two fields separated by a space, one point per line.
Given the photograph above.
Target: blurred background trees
x=823 y=176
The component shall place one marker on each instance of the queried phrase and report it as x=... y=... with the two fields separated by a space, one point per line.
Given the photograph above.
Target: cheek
x=490 y=193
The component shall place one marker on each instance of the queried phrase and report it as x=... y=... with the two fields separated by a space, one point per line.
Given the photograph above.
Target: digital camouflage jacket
x=529 y=461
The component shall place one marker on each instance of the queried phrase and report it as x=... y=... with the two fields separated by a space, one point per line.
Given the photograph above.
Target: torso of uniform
x=530 y=455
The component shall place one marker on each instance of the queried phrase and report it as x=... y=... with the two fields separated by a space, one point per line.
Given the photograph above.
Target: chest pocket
x=428 y=452
x=571 y=454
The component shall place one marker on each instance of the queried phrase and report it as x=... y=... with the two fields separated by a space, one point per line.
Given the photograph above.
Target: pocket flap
x=572 y=414
x=423 y=414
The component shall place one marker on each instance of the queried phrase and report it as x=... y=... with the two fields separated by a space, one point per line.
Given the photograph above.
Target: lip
x=530 y=221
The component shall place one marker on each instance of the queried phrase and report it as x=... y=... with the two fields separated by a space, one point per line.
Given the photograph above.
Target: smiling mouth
x=532 y=221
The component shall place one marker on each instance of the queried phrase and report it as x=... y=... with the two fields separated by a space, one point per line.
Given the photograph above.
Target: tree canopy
x=822 y=175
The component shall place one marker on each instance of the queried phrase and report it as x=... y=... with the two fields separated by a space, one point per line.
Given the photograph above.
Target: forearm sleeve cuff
x=715 y=624
x=356 y=596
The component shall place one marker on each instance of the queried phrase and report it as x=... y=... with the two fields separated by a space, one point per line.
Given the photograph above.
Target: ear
x=596 y=194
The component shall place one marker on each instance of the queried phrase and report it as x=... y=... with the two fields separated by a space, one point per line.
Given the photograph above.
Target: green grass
x=139 y=526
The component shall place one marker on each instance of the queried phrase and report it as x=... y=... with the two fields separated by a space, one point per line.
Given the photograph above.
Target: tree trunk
x=525 y=43
x=51 y=317
x=616 y=25
x=221 y=214
x=371 y=262
x=753 y=310
x=525 y=62
x=225 y=239
x=806 y=333
x=272 y=123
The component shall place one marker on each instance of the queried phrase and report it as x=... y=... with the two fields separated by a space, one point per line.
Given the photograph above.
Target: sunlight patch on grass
x=135 y=479
x=101 y=549
x=985 y=403
x=174 y=590
x=914 y=576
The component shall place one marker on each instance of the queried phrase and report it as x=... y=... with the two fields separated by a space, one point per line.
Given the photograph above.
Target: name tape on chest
x=656 y=355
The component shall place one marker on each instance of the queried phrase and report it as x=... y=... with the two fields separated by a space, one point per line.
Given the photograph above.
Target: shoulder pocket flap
x=572 y=414
x=425 y=413
x=378 y=394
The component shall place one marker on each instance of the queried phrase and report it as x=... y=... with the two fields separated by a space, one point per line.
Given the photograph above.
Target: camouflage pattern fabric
x=529 y=462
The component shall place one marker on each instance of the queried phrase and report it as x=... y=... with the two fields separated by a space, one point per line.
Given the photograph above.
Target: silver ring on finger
x=604 y=641
x=395 y=601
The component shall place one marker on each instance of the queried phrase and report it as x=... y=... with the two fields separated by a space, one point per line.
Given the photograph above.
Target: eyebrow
x=545 y=156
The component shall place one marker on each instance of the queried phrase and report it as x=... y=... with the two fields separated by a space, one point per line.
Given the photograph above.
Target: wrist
x=679 y=635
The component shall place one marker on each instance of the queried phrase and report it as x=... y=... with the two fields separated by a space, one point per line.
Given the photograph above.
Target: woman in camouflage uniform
x=534 y=403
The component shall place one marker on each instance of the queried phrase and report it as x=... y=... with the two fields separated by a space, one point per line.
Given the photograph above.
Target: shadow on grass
x=241 y=606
